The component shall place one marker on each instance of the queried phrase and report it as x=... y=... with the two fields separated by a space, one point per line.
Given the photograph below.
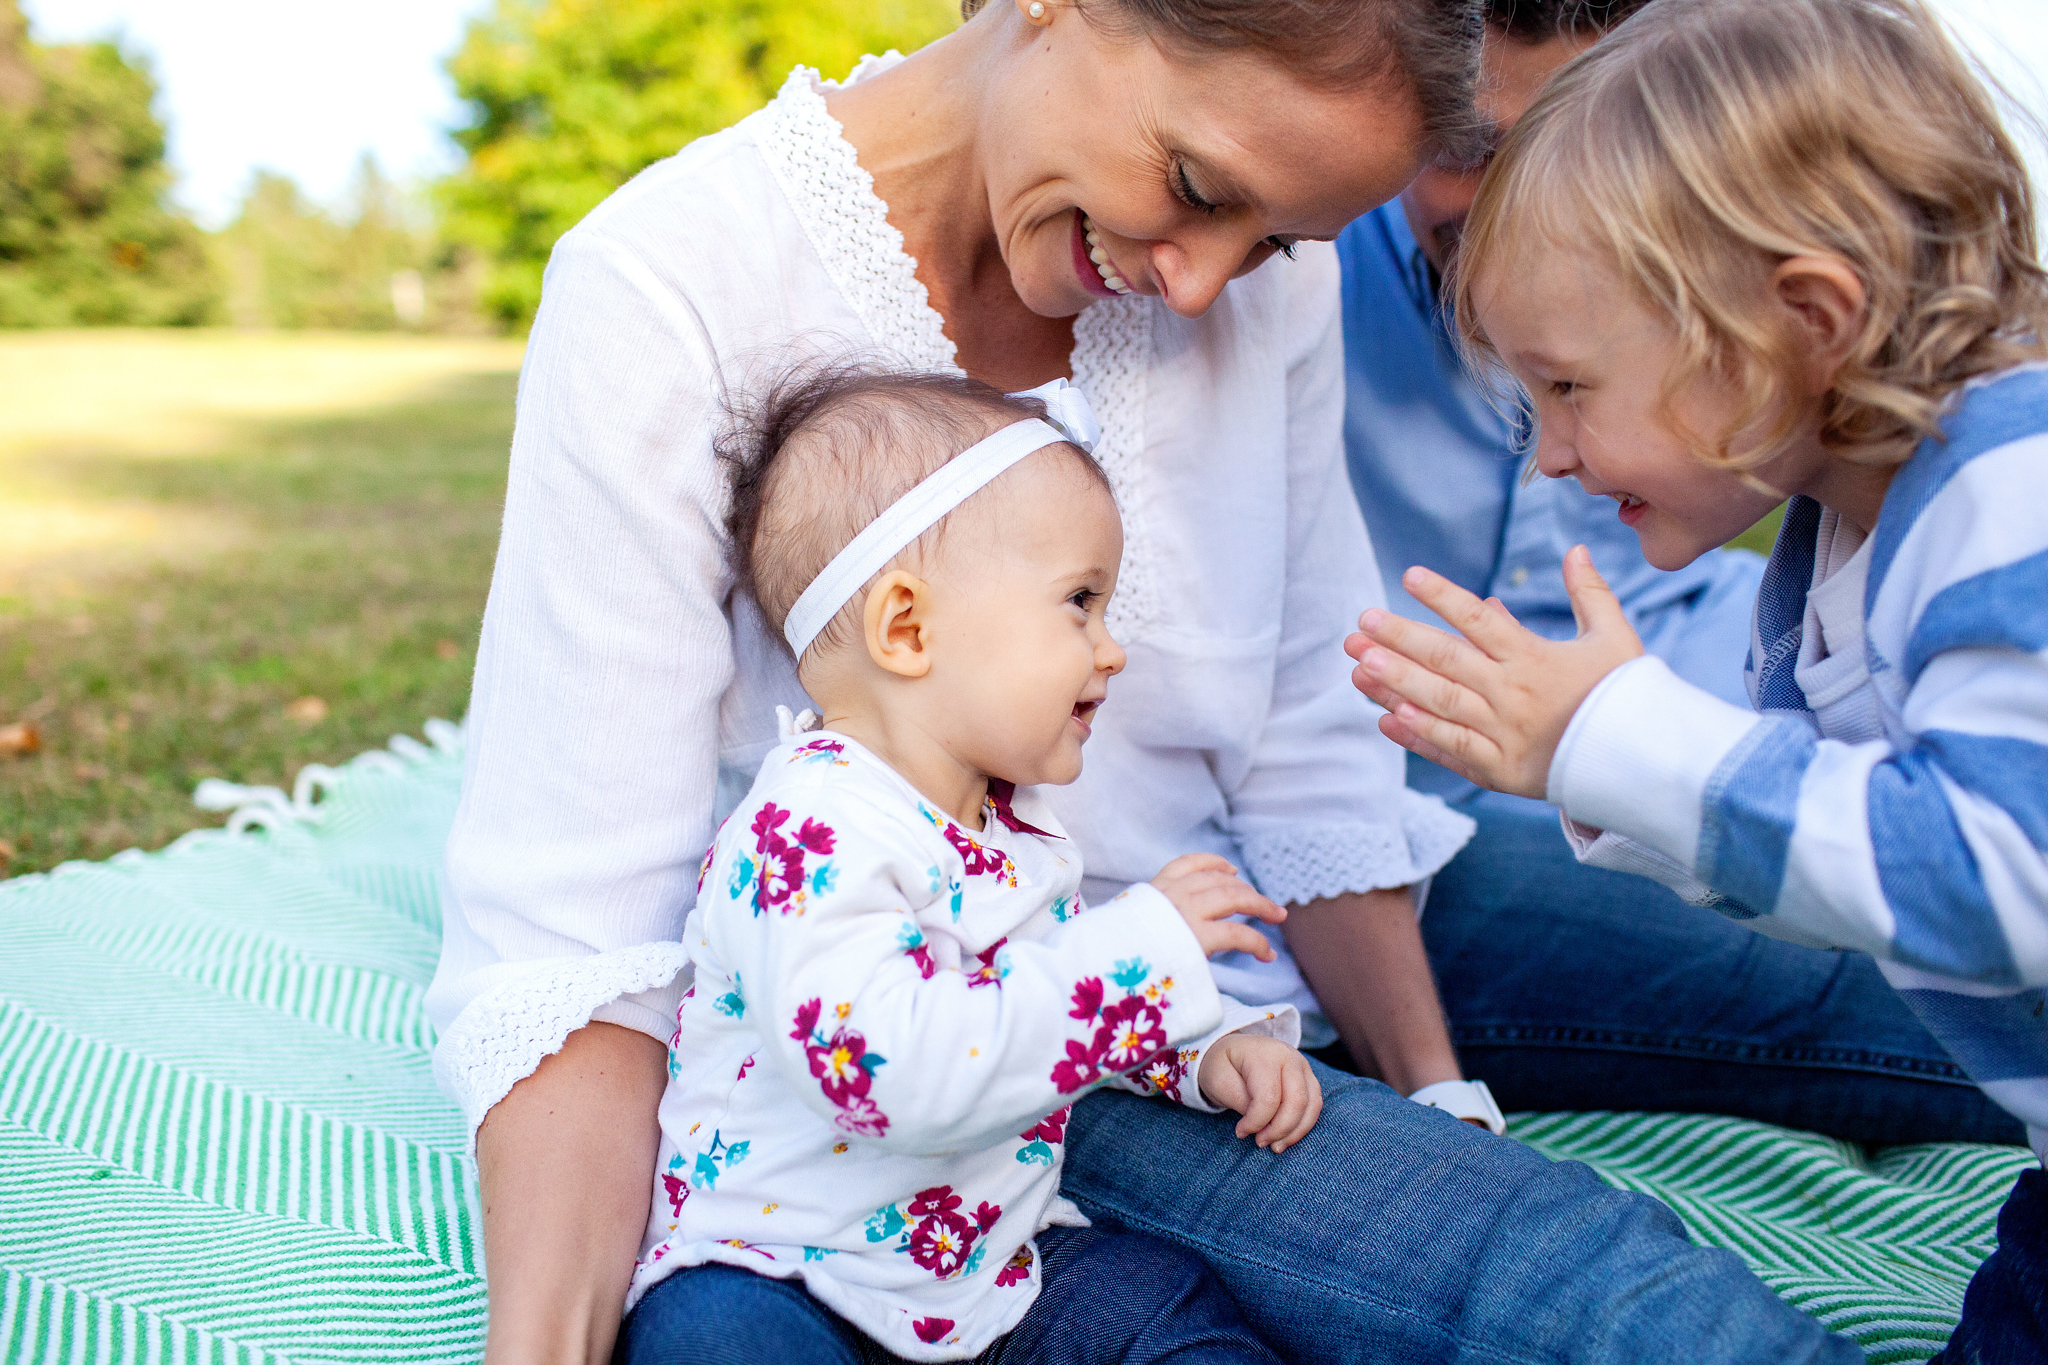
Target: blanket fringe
x=268 y=808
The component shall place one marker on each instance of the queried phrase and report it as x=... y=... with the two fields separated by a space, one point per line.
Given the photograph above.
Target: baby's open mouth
x=1085 y=711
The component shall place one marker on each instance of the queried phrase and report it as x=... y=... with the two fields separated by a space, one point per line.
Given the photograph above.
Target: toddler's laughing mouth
x=1084 y=712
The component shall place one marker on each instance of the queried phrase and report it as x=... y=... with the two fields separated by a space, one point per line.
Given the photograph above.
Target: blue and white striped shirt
x=1920 y=838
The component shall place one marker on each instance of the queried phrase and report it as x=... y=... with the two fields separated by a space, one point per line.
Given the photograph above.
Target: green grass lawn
x=229 y=555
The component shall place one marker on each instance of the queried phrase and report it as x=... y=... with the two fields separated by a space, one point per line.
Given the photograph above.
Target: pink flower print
x=815 y=837
x=745 y=1067
x=678 y=1190
x=987 y=972
x=1002 y=797
x=1017 y=1270
x=1163 y=1072
x=1051 y=1128
x=931 y=1330
x=1131 y=1032
x=1087 y=998
x=922 y=956
x=781 y=877
x=704 y=868
x=944 y=1237
x=844 y=1069
x=980 y=859
x=820 y=751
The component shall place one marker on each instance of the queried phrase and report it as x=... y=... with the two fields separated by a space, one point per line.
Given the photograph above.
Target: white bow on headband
x=1067 y=418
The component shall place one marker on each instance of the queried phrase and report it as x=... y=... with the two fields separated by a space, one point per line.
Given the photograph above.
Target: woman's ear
x=1828 y=306
x=894 y=624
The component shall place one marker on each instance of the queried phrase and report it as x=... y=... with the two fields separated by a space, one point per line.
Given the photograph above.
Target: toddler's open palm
x=1493 y=705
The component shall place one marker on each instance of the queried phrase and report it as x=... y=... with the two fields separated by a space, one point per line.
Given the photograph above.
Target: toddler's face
x=1594 y=361
x=1021 y=656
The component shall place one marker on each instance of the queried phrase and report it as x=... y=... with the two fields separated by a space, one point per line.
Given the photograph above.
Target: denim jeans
x=1105 y=1299
x=2005 y=1312
x=1569 y=987
x=1396 y=1233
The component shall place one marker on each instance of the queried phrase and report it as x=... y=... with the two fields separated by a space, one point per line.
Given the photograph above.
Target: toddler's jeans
x=2005 y=1310
x=1104 y=1297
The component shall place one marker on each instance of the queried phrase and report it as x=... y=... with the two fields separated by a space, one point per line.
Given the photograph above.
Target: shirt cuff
x=1636 y=759
x=1617 y=853
x=1312 y=860
x=504 y=1033
x=1176 y=1073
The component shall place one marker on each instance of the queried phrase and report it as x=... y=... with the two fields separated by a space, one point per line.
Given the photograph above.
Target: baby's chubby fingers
x=1262 y=1101
x=1300 y=1107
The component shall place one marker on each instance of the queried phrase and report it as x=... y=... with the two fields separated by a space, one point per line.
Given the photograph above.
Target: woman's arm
x=1361 y=953
x=566 y=1162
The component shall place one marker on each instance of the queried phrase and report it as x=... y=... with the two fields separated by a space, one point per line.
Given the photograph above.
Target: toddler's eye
x=1563 y=388
x=1085 y=598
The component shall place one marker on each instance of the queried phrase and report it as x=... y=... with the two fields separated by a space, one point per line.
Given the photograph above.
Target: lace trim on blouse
x=847 y=225
x=1309 y=861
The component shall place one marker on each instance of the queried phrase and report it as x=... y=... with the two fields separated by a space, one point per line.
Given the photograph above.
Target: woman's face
x=1115 y=165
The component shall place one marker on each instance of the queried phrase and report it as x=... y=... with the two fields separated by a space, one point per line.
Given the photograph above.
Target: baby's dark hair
x=825 y=448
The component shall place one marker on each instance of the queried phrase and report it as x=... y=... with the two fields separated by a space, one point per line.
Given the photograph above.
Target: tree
x=86 y=234
x=569 y=99
x=290 y=263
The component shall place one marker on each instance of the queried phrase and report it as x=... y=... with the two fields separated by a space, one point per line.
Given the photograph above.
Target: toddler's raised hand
x=1207 y=891
x=1268 y=1082
x=1494 y=705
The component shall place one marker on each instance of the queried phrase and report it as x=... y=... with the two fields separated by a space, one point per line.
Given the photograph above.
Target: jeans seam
x=1615 y=1040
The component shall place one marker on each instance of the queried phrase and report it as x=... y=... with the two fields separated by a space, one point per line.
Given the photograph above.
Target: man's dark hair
x=1533 y=21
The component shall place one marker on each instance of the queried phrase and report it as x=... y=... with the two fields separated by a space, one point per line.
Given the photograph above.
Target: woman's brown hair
x=1431 y=45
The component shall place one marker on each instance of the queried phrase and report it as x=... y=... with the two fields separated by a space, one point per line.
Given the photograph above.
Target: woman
x=1052 y=190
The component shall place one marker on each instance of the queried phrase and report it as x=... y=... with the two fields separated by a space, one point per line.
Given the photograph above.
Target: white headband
x=1067 y=418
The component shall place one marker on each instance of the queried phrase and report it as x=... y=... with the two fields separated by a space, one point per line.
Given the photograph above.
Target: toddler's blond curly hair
x=1704 y=142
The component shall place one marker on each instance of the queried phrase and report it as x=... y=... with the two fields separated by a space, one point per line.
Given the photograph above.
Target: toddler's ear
x=1828 y=306
x=894 y=620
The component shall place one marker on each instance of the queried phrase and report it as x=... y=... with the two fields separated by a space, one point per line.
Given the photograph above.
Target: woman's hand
x=1268 y=1082
x=1493 y=705
x=566 y=1167
x=1207 y=891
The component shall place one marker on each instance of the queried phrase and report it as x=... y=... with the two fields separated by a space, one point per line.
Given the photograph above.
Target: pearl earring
x=1037 y=9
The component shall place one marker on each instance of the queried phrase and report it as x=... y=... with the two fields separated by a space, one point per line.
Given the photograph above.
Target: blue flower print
x=742 y=878
x=1130 y=971
x=1063 y=909
x=824 y=879
x=732 y=1004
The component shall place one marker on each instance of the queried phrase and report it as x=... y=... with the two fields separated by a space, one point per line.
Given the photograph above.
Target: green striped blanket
x=220 y=1138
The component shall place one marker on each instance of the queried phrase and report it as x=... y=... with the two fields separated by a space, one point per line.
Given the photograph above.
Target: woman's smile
x=1092 y=263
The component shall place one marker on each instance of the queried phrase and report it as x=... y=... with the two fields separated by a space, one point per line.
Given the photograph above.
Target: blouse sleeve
x=590 y=778
x=1325 y=808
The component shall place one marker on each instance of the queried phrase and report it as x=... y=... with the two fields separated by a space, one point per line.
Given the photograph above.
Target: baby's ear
x=894 y=624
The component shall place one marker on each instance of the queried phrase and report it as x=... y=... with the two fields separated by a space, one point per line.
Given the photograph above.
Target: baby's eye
x=1085 y=598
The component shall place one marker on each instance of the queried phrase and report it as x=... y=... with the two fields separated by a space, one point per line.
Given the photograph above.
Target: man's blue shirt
x=1437 y=468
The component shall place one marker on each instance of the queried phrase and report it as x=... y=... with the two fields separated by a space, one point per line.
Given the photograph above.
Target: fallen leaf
x=447 y=649
x=6 y=853
x=306 y=710
x=19 y=739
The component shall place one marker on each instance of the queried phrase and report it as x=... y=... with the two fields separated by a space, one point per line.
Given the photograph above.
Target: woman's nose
x=1192 y=275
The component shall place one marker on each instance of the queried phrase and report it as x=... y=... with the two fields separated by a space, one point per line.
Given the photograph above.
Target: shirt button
x=1518 y=577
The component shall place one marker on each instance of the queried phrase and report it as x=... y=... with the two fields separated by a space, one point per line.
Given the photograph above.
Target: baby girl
x=899 y=992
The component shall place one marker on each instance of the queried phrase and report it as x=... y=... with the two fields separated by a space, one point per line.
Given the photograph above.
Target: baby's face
x=1021 y=656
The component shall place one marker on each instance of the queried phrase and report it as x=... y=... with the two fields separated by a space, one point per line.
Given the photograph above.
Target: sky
x=306 y=89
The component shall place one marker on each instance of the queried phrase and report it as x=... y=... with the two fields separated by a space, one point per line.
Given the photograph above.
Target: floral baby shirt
x=892 y=1014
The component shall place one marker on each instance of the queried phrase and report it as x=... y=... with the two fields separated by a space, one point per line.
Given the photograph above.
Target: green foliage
x=85 y=233
x=374 y=267
x=571 y=98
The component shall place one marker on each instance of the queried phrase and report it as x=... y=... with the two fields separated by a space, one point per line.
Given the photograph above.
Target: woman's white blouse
x=625 y=695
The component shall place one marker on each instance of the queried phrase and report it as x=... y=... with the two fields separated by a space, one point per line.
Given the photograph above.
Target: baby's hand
x=1268 y=1082
x=1207 y=891
x=1495 y=708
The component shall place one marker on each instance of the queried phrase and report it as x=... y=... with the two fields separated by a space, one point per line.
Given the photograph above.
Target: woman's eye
x=1283 y=245
x=1184 y=190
